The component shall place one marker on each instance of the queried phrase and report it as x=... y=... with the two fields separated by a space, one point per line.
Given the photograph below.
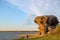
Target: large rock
x=52 y=21
x=46 y=22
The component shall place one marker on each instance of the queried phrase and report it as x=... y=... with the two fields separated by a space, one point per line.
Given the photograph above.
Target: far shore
x=18 y=31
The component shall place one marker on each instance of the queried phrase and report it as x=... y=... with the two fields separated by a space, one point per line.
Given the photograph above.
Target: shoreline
x=19 y=31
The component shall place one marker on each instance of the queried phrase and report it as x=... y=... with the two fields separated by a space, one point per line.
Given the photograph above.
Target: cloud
x=26 y=6
x=46 y=6
x=35 y=7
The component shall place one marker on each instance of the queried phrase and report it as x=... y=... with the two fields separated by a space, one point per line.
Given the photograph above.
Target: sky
x=20 y=14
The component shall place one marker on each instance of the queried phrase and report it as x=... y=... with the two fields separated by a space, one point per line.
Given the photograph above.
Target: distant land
x=21 y=31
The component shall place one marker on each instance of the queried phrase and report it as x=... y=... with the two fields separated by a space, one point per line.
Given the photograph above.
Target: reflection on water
x=12 y=34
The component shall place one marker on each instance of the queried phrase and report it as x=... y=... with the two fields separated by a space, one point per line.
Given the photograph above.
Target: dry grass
x=53 y=35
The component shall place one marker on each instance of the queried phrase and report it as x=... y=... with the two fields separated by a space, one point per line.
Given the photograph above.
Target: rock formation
x=46 y=23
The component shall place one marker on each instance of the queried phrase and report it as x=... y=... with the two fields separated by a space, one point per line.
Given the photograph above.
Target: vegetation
x=54 y=35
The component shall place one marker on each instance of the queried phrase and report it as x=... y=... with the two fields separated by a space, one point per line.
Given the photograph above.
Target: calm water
x=12 y=35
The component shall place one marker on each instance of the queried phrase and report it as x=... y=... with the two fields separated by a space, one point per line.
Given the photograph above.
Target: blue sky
x=20 y=14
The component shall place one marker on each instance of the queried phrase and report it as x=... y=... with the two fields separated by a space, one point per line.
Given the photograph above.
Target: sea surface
x=10 y=35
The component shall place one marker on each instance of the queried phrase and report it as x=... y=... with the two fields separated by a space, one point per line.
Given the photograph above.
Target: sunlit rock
x=46 y=23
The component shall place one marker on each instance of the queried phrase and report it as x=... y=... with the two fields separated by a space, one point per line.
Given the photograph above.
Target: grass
x=54 y=35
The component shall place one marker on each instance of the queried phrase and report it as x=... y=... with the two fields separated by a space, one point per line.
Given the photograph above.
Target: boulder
x=45 y=23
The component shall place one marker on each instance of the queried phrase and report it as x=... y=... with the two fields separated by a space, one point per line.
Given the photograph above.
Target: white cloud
x=26 y=6
x=47 y=6
x=34 y=7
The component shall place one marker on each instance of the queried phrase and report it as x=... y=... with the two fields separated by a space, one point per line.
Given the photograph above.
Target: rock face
x=46 y=23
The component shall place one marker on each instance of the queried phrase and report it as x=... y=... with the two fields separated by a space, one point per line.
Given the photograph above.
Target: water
x=13 y=35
